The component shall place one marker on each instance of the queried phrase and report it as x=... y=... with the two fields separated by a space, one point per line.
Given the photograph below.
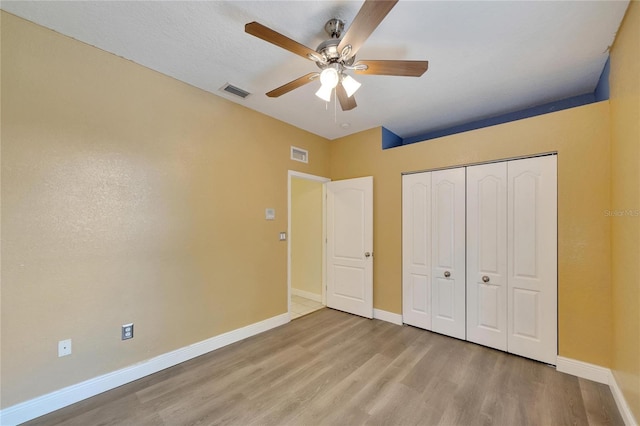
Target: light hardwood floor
x=338 y=369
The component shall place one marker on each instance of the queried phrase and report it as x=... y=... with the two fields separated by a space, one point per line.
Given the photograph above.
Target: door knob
x=485 y=279
x=367 y=254
x=447 y=274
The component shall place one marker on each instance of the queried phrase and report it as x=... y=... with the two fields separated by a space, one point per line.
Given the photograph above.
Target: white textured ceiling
x=485 y=58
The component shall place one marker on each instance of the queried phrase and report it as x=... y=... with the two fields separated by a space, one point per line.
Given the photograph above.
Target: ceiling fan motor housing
x=328 y=49
x=334 y=27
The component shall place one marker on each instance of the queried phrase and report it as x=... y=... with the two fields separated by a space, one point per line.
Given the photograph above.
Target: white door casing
x=487 y=255
x=350 y=245
x=292 y=174
x=416 y=250
x=448 y=293
x=532 y=258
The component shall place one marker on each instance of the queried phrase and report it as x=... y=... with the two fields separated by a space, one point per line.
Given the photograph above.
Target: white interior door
x=532 y=258
x=448 y=252
x=350 y=246
x=487 y=255
x=416 y=250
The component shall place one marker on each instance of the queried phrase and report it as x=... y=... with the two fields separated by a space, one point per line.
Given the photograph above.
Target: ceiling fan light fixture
x=350 y=84
x=324 y=92
x=329 y=77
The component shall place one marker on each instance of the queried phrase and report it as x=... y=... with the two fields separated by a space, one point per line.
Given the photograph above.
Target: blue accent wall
x=601 y=93
x=602 y=89
x=573 y=102
x=390 y=139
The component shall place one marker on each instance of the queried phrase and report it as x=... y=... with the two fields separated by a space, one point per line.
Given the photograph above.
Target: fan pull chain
x=335 y=106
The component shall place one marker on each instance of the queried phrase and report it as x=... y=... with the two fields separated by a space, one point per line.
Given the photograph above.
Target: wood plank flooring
x=338 y=369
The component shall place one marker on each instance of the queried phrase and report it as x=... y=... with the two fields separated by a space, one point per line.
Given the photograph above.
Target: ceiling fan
x=337 y=55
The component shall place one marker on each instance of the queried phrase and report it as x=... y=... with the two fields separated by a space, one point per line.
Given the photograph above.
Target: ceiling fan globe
x=329 y=77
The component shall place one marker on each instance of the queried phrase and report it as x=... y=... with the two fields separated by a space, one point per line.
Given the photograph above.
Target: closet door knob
x=447 y=274
x=367 y=254
x=485 y=279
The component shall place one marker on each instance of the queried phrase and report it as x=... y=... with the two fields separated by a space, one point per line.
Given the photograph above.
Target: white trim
x=583 y=369
x=601 y=375
x=387 y=316
x=324 y=243
x=293 y=173
x=290 y=174
x=44 y=404
x=307 y=295
x=623 y=407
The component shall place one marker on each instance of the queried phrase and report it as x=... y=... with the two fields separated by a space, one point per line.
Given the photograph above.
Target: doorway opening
x=306 y=246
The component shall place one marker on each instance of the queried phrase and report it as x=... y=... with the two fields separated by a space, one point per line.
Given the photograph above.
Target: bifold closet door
x=512 y=257
x=487 y=255
x=416 y=250
x=448 y=298
x=433 y=253
x=504 y=294
x=532 y=273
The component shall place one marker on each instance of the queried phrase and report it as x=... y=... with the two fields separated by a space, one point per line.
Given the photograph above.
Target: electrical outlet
x=64 y=347
x=127 y=331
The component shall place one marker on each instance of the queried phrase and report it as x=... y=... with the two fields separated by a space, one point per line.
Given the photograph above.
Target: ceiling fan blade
x=298 y=82
x=366 y=21
x=274 y=37
x=401 y=68
x=346 y=103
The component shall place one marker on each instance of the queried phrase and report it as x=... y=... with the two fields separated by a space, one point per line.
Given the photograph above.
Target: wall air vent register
x=299 y=154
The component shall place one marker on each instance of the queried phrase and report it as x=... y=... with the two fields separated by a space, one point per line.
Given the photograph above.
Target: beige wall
x=128 y=196
x=581 y=138
x=306 y=235
x=625 y=196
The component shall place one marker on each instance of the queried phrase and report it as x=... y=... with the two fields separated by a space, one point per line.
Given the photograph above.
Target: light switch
x=270 y=214
x=283 y=236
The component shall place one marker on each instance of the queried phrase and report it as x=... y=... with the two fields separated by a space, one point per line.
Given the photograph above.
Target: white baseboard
x=44 y=404
x=601 y=375
x=623 y=407
x=387 y=316
x=583 y=369
x=306 y=294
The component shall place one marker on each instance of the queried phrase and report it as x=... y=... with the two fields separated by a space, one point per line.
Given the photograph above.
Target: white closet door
x=487 y=255
x=416 y=250
x=532 y=258
x=448 y=252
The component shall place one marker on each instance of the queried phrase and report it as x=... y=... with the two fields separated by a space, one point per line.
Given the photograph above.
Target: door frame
x=300 y=175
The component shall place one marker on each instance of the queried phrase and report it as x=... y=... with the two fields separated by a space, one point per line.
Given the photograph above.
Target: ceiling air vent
x=299 y=154
x=230 y=88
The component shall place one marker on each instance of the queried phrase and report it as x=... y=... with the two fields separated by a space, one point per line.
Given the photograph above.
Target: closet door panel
x=416 y=250
x=487 y=255
x=532 y=258
x=448 y=252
